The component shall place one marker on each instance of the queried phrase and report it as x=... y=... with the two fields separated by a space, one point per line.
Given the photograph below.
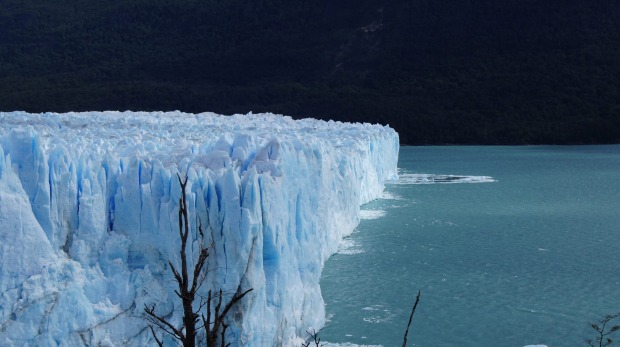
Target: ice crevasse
x=89 y=218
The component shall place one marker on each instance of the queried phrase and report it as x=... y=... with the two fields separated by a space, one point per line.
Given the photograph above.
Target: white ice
x=372 y=214
x=407 y=178
x=88 y=216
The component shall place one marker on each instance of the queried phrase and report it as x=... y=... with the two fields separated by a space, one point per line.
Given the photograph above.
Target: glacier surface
x=88 y=216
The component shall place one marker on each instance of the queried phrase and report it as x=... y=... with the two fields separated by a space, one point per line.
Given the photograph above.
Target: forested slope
x=448 y=71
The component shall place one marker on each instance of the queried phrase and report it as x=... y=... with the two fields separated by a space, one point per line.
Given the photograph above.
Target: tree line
x=439 y=72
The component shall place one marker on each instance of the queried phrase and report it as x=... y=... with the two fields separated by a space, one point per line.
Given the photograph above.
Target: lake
x=510 y=246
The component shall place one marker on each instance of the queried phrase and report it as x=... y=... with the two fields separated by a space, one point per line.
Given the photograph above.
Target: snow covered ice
x=88 y=216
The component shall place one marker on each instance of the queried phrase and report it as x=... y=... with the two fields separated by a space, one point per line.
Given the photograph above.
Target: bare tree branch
x=417 y=299
x=603 y=339
x=176 y=274
x=213 y=323
x=159 y=343
x=314 y=337
x=213 y=326
x=163 y=323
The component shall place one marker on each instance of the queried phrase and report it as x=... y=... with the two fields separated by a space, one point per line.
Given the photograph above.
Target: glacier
x=89 y=208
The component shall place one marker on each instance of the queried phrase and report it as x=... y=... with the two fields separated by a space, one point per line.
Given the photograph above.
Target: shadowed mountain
x=467 y=72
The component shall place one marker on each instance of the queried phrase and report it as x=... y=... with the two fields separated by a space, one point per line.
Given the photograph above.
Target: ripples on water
x=527 y=259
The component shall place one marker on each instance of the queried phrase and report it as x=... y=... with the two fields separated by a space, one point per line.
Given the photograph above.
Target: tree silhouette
x=603 y=339
x=415 y=305
x=213 y=323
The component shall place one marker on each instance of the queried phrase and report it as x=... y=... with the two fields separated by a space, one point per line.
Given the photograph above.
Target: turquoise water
x=528 y=255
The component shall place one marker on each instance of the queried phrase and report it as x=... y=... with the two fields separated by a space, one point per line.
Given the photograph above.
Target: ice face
x=89 y=208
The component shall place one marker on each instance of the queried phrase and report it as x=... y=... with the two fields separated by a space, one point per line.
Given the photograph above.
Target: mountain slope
x=447 y=71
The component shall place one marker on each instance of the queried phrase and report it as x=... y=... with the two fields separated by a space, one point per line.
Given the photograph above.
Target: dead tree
x=417 y=299
x=602 y=339
x=213 y=323
x=314 y=337
x=187 y=291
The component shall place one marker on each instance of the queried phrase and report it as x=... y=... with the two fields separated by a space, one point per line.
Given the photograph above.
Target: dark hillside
x=448 y=71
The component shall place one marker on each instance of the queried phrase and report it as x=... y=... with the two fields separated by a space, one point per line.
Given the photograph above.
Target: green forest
x=438 y=71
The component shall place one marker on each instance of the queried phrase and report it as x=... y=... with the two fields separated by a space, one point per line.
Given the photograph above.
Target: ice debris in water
x=407 y=178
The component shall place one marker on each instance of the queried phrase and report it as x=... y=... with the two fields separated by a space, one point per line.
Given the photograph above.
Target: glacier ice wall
x=88 y=218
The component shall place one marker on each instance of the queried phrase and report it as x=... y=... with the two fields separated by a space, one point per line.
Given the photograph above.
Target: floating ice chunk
x=348 y=247
x=390 y=196
x=439 y=179
x=372 y=214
